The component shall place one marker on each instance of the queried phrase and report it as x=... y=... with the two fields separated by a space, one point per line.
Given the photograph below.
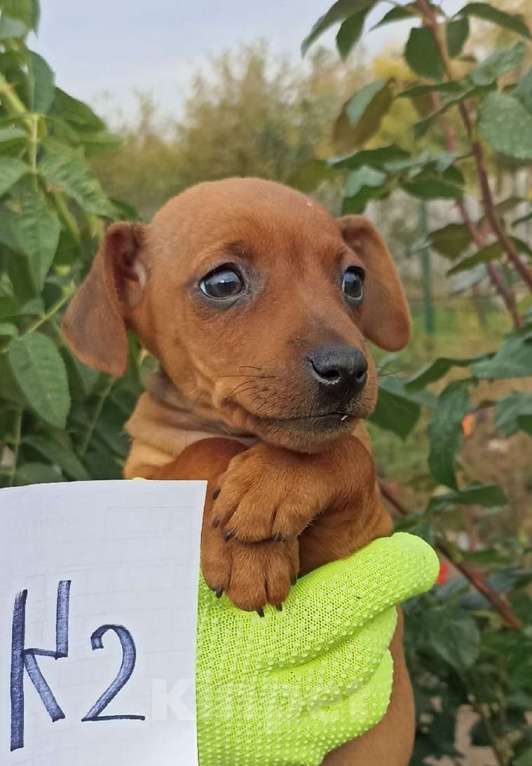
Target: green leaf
x=363 y=177
x=36 y=473
x=455 y=87
x=6 y=286
x=525 y=759
x=445 y=431
x=507 y=126
x=377 y=158
x=358 y=202
x=487 y=495
x=454 y=637
x=8 y=330
x=438 y=369
x=513 y=412
x=11 y=136
x=399 y=13
x=522 y=219
x=396 y=411
x=40 y=374
x=422 y=54
x=457 y=33
x=451 y=240
x=67 y=170
x=428 y=186
x=363 y=185
x=350 y=32
x=34 y=231
x=523 y=91
x=11 y=171
x=75 y=112
x=512 y=360
x=41 y=80
x=362 y=114
x=484 y=255
x=98 y=141
x=63 y=456
x=487 y=12
x=497 y=64
x=26 y=11
x=11 y=28
x=337 y=12
x=310 y=174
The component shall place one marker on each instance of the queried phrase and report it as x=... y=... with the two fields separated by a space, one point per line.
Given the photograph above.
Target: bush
x=58 y=419
x=469 y=641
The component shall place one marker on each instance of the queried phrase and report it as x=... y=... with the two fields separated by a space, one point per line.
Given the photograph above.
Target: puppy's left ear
x=385 y=313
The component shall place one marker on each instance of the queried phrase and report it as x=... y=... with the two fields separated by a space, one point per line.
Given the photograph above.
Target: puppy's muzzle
x=341 y=371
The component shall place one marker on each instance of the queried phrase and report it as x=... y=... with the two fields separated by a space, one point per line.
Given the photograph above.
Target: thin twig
x=477 y=580
x=96 y=416
x=506 y=293
x=51 y=312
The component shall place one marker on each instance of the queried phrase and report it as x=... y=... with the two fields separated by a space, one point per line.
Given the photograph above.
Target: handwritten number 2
x=129 y=656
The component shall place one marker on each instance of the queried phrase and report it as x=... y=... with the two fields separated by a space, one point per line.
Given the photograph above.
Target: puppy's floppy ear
x=385 y=313
x=95 y=322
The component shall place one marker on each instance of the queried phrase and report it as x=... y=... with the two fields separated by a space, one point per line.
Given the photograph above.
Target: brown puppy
x=258 y=304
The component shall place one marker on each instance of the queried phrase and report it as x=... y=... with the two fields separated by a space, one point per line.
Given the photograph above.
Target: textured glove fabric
x=286 y=689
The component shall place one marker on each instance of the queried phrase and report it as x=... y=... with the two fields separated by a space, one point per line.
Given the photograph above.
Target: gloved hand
x=286 y=689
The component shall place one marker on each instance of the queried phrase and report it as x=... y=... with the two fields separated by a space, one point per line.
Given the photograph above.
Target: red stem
x=476 y=578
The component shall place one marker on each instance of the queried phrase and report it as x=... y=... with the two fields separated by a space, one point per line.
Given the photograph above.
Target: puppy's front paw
x=251 y=575
x=264 y=495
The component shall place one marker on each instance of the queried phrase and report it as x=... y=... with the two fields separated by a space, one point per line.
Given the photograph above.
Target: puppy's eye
x=353 y=284
x=223 y=283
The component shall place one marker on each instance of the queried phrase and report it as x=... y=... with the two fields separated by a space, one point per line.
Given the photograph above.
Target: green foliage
x=507 y=125
x=58 y=420
x=478 y=115
x=422 y=54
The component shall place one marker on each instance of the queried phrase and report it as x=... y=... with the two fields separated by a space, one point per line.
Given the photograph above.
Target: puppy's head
x=257 y=303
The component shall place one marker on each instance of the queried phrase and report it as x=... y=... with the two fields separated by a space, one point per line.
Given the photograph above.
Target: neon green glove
x=288 y=689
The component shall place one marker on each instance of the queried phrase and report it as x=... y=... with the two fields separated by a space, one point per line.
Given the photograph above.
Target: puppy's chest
x=160 y=434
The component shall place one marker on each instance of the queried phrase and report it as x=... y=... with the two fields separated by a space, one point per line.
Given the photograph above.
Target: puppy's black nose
x=341 y=370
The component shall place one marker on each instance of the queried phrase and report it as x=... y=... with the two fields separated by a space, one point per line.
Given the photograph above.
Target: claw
x=260 y=612
x=278 y=538
x=219 y=592
x=279 y=607
x=215 y=493
x=229 y=534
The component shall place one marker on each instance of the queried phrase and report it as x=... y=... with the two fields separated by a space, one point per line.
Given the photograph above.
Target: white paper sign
x=98 y=594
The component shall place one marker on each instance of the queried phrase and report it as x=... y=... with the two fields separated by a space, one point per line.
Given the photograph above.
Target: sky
x=104 y=50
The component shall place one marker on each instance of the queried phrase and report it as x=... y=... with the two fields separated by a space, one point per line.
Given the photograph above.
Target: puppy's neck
x=164 y=423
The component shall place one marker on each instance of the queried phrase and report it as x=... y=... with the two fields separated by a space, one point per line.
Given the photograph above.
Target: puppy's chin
x=312 y=433
x=306 y=434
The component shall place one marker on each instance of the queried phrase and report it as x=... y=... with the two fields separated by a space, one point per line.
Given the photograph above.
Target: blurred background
x=417 y=114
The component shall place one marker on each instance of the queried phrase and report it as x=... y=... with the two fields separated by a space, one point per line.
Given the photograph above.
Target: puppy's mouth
x=318 y=424
x=328 y=421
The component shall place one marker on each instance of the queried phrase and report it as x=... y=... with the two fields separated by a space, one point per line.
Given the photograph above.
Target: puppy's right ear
x=96 y=319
